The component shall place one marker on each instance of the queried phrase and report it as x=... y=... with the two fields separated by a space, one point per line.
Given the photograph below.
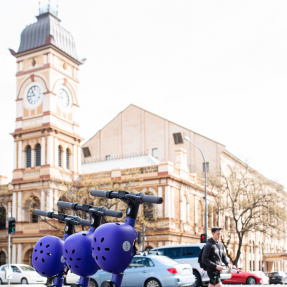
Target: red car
x=240 y=277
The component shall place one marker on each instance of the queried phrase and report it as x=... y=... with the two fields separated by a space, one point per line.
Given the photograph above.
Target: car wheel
x=197 y=279
x=1 y=282
x=152 y=282
x=251 y=281
x=24 y=281
x=93 y=283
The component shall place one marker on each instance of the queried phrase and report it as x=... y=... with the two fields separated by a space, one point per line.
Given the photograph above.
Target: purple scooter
x=77 y=248
x=47 y=257
x=113 y=244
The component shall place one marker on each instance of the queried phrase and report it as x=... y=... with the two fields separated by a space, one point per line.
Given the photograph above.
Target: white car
x=71 y=278
x=21 y=273
x=265 y=279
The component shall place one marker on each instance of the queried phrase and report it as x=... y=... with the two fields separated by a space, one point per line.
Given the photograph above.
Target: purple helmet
x=47 y=257
x=78 y=255
x=112 y=246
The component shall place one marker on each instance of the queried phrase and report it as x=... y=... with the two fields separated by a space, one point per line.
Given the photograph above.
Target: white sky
x=218 y=68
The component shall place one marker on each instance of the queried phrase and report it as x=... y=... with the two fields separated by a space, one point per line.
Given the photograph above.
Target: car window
x=234 y=270
x=15 y=269
x=150 y=263
x=172 y=253
x=138 y=262
x=26 y=268
x=190 y=252
x=3 y=268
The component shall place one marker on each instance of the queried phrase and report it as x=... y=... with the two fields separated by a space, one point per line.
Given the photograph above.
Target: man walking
x=213 y=256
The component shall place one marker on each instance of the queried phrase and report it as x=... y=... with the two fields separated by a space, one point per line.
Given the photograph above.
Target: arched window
x=31 y=203
x=38 y=155
x=28 y=156
x=2 y=218
x=59 y=155
x=2 y=258
x=67 y=158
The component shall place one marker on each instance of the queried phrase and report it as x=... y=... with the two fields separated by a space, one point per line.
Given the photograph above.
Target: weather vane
x=48 y=6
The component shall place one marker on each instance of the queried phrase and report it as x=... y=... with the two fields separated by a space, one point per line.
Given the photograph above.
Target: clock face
x=63 y=98
x=34 y=95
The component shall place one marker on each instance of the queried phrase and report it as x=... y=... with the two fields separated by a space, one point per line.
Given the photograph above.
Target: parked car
x=277 y=277
x=24 y=274
x=265 y=279
x=150 y=270
x=240 y=277
x=71 y=278
x=188 y=253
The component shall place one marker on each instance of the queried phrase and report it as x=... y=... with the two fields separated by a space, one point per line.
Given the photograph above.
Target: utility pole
x=143 y=238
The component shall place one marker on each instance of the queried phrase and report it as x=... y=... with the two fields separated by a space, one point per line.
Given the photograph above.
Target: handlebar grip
x=100 y=193
x=113 y=213
x=64 y=204
x=41 y=212
x=84 y=222
x=152 y=199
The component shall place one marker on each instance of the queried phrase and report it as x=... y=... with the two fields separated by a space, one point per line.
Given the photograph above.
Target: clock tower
x=46 y=137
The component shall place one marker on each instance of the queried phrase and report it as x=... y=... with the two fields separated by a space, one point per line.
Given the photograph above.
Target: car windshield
x=26 y=268
x=165 y=260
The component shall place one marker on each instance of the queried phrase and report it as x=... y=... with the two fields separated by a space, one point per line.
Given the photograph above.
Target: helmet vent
x=79 y=259
x=66 y=251
x=71 y=259
x=97 y=257
x=84 y=234
x=76 y=266
x=40 y=243
x=41 y=251
x=70 y=266
x=73 y=251
x=99 y=248
x=49 y=254
x=117 y=223
x=102 y=240
x=107 y=249
x=35 y=250
x=95 y=239
x=104 y=258
x=43 y=272
x=93 y=248
x=43 y=260
x=65 y=258
x=48 y=246
x=36 y=258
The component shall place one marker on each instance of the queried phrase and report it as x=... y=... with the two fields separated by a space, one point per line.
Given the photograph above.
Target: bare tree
x=250 y=203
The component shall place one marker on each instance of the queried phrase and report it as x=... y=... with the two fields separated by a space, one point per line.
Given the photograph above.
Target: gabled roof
x=132 y=105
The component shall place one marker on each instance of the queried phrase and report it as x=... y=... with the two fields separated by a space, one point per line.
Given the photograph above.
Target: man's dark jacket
x=213 y=255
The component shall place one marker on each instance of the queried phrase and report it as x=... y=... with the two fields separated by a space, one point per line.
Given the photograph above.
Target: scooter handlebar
x=41 y=212
x=99 y=193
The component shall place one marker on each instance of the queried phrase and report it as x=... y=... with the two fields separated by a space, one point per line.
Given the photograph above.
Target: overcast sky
x=218 y=68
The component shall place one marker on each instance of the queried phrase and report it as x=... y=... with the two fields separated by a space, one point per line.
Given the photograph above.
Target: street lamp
x=205 y=197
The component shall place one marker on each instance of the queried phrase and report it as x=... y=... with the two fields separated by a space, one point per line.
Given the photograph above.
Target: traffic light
x=139 y=238
x=11 y=225
x=203 y=238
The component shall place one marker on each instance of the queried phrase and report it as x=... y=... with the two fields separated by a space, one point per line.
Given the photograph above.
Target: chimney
x=181 y=159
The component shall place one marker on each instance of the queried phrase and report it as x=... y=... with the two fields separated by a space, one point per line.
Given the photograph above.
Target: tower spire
x=51 y=6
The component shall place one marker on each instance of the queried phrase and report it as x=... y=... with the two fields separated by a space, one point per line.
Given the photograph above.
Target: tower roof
x=47 y=30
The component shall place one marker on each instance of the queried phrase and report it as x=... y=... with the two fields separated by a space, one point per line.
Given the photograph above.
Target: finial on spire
x=48 y=6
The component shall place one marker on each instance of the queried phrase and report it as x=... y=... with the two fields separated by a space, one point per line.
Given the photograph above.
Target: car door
x=236 y=277
x=2 y=274
x=137 y=272
x=17 y=275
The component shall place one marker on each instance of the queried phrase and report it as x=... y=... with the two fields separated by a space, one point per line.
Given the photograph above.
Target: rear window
x=165 y=260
